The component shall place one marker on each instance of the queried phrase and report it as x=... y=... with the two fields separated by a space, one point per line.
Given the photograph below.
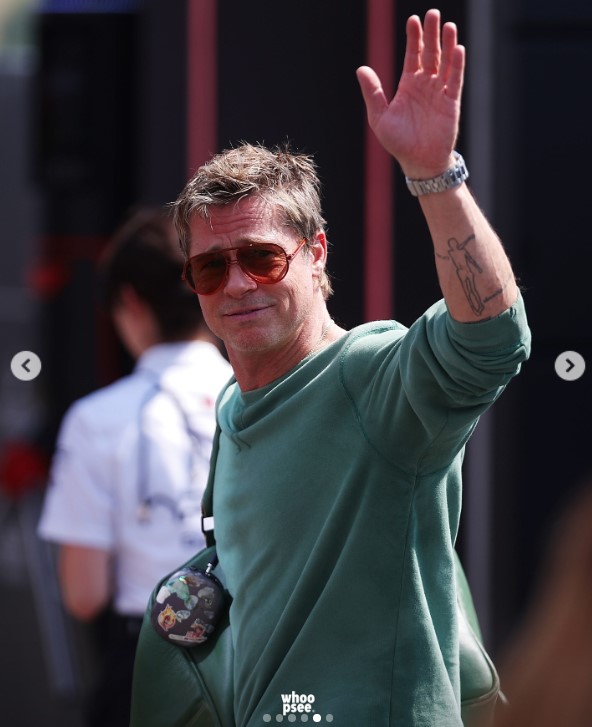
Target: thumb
x=372 y=92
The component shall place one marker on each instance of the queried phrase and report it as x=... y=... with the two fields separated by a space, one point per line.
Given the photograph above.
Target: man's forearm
x=473 y=269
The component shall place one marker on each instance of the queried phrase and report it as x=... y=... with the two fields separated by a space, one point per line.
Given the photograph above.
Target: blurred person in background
x=547 y=669
x=131 y=462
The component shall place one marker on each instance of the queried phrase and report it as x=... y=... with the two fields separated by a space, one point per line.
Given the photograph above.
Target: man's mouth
x=244 y=312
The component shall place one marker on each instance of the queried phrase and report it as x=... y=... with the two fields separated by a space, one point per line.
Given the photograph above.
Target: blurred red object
x=23 y=467
x=48 y=279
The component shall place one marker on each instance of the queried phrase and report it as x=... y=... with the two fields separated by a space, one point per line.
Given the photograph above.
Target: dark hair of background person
x=145 y=255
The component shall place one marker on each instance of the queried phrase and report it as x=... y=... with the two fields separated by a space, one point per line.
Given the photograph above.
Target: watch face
x=187 y=607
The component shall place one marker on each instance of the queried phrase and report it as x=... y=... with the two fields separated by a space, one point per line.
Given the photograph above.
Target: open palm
x=420 y=124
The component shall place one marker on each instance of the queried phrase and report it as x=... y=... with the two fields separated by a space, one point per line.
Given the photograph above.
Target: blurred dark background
x=109 y=104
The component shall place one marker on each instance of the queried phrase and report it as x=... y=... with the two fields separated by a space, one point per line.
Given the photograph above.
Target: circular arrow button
x=26 y=365
x=570 y=365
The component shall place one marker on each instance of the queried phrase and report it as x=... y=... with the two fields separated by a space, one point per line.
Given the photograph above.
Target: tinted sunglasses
x=263 y=262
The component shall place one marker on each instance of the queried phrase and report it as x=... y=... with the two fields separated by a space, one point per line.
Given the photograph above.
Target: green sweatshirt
x=337 y=500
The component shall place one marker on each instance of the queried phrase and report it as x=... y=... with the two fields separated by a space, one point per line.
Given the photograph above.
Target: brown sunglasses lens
x=264 y=263
x=205 y=273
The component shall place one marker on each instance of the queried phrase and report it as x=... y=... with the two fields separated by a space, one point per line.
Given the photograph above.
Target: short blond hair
x=288 y=180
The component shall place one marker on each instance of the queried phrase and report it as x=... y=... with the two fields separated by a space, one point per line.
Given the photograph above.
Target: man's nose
x=237 y=281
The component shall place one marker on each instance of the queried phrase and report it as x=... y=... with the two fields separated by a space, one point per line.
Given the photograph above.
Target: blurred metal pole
x=202 y=82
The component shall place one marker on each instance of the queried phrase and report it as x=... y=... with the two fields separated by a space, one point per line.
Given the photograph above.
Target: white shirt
x=131 y=465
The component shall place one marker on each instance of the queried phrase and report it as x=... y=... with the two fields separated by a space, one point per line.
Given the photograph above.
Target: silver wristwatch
x=447 y=180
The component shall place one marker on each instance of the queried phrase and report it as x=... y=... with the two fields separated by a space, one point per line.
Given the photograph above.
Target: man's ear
x=128 y=298
x=318 y=248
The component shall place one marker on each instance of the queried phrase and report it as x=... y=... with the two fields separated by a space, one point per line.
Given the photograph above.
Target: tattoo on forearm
x=499 y=291
x=495 y=293
x=466 y=266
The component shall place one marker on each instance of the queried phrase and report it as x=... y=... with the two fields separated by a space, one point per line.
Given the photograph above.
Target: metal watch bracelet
x=449 y=179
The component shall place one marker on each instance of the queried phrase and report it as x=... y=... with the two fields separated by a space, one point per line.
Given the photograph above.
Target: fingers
x=435 y=53
x=449 y=37
x=414 y=46
x=372 y=92
x=454 y=81
x=452 y=62
x=430 y=56
x=422 y=52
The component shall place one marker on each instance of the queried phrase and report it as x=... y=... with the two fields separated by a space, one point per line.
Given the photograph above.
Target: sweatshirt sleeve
x=419 y=394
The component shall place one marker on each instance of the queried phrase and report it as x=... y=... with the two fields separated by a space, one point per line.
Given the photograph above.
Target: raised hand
x=420 y=124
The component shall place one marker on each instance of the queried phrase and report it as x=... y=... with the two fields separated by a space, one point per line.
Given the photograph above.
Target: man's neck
x=255 y=369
